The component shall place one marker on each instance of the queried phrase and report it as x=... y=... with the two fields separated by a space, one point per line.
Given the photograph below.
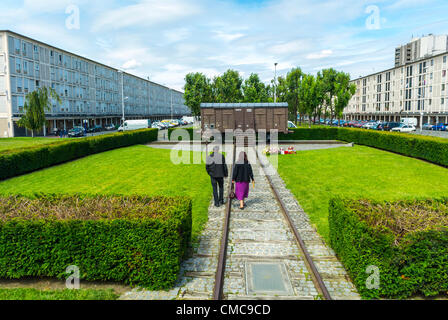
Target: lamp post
x=275 y=82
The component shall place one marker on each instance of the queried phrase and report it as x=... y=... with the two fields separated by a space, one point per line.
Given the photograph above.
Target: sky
x=166 y=39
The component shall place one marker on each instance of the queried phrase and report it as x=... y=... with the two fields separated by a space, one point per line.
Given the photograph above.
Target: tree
x=227 y=88
x=344 y=91
x=197 y=89
x=328 y=83
x=254 y=90
x=294 y=84
x=311 y=95
x=36 y=104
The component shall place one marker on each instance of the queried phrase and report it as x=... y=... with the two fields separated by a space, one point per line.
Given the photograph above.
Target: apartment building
x=91 y=93
x=417 y=89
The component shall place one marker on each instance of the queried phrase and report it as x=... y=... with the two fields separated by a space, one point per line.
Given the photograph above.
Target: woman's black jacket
x=242 y=172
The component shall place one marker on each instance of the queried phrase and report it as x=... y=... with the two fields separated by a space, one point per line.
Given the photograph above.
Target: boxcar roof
x=244 y=105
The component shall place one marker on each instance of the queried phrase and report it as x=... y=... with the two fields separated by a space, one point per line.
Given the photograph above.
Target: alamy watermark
x=73 y=280
x=73 y=21
x=373 y=280
x=373 y=21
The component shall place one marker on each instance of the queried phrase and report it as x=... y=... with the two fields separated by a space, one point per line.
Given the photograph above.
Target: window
x=19 y=85
x=444 y=59
x=17 y=46
x=25 y=67
x=443 y=87
x=18 y=66
x=37 y=83
x=443 y=73
x=25 y=85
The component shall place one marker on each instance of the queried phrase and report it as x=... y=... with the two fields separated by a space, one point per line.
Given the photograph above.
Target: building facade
x=415 y=89
x=91 y=92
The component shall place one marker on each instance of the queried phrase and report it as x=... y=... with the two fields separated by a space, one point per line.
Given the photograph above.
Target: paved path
x=263 y=259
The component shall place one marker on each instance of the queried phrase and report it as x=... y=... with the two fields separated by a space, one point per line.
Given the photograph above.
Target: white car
x=369 y=125
x=291 y=125
x=404 y=128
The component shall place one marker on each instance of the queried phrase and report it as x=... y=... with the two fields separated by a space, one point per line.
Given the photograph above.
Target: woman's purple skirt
x=242 y=190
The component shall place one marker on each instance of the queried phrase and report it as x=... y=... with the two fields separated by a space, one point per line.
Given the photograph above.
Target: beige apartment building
x=92 y=93
x=415 y=88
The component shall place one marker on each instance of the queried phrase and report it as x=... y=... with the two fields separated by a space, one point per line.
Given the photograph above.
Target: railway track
x=316 y=278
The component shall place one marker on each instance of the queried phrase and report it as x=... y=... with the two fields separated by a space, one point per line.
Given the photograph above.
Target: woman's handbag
x=232 y=192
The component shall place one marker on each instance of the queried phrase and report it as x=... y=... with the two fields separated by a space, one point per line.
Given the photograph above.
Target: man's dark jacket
x=216 y=166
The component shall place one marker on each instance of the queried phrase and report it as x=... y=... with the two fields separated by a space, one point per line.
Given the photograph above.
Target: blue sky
x=165 y=39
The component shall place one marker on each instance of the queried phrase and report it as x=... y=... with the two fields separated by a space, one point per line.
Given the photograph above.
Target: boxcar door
x=249 y=119
x=227 y=119
x=209 y=119
x=260 y=119
x=239 y=119
x=279 y=120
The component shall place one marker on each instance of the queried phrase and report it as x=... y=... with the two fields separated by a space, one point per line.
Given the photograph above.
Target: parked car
x=439 y=127
x=368 y=125
x=404 y=128
x=77 y=132
x=291 y=125
x=388 y=126
x=109 y=127
x=427 y=126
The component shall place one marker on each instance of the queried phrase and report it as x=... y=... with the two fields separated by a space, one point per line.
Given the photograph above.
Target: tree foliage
x=36 y=104
x=327 y=93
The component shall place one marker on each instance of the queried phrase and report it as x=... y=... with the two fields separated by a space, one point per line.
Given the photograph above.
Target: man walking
x=217 y=170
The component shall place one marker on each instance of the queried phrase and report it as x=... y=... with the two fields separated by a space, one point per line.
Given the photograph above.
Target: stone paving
x=258 y=235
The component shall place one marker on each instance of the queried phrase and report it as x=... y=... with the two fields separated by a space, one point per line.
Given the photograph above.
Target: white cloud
x=228 y=37
x=145 y=13
x=131 y=64
x=320 y=55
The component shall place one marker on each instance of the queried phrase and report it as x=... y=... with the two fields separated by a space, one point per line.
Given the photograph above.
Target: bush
x=319 y=133
x=137 y=240
x=189 y=130
x=431 y=149
x=407 y=241
x=22 y=161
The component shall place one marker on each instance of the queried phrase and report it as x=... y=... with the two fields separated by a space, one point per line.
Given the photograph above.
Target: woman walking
x=242 y=176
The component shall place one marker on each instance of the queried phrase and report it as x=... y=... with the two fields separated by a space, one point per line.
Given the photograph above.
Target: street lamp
x=275 y=82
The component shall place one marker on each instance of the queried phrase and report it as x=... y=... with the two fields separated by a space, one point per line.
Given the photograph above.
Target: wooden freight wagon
x=245 y=116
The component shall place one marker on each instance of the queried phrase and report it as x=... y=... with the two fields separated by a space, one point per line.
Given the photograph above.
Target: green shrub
x=318 y=133
x=21 y=161
x=136 y=240
x=431 y=149
x=189 y=130
x=407 y=241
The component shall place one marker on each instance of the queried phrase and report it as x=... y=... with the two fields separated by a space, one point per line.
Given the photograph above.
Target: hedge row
x=432 y=149
x=135 y=240
x=21 y=161
x=411 y=259
x=189 y=130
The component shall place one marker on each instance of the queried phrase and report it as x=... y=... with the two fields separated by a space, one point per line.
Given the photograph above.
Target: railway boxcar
x=245 y=116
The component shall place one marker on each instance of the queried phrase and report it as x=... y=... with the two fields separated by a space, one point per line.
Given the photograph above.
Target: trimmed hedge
x=189 y=130
x=22 y=161
x=318 y=133
x=411 y=259
x=427 y=148
x=136 y=240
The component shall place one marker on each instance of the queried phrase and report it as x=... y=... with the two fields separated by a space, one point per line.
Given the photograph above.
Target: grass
x=134 y=170
x=34 y=294
x=360 y=172
x=8 y=144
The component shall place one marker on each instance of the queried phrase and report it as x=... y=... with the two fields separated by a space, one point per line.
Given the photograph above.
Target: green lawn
x=360 y=172
x=133 y=170
x=34 y=294
x=8 y=144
